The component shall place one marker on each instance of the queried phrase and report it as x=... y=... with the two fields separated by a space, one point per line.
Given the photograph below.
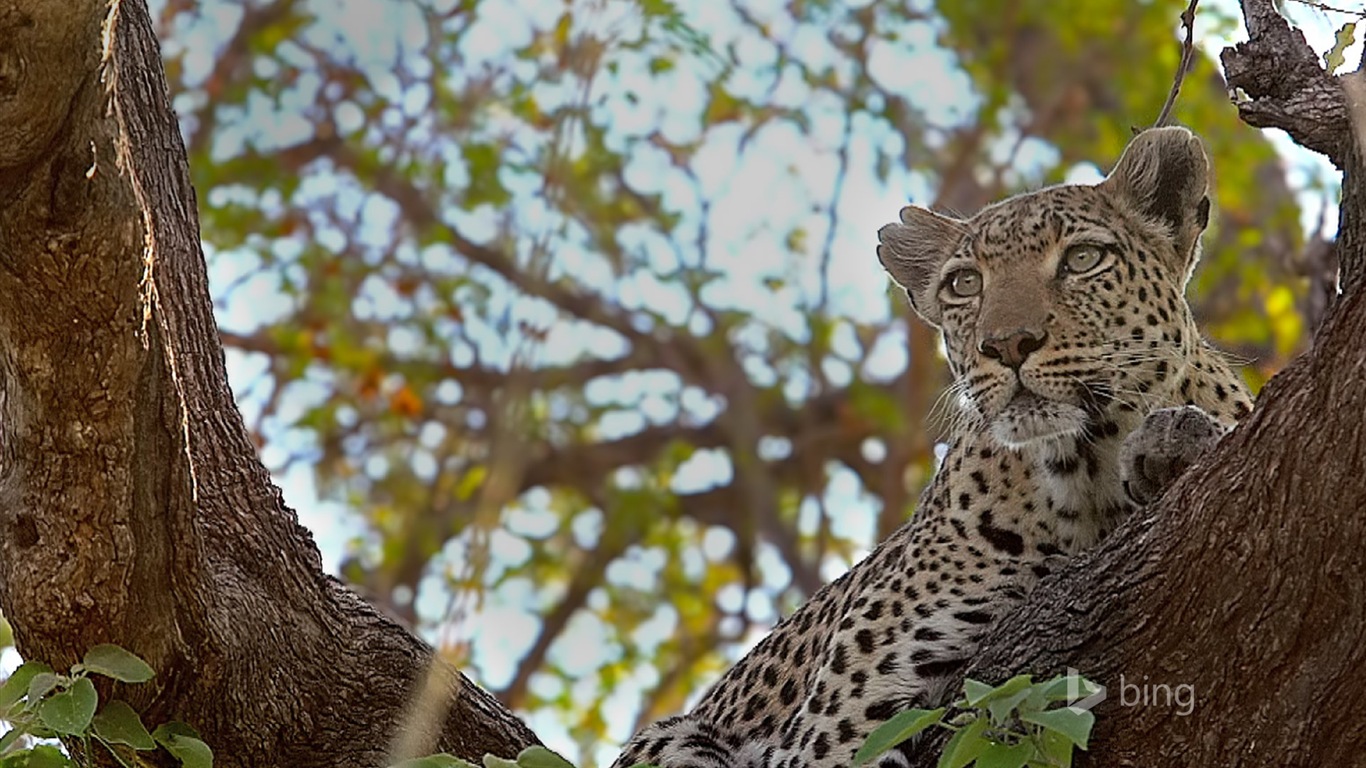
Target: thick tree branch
x=1285 y=84
x=482 y=378
x=134 y=510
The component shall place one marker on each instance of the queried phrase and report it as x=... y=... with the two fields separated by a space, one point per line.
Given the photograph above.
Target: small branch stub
x=1285 y=84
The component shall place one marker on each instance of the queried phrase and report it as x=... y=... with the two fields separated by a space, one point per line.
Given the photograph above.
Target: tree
x=138 y=512
x=135 y=509
x=539 y=345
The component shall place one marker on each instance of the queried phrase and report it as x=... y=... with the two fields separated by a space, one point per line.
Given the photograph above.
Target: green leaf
x=191 y=752
x=659 y=8
x=965 y=745
x=492 y=761
x=41 y=756
x=974 y=690
x=442 y=760
x=119 y=723
x=1005 y=755
x=1000 y=709
x=1075 y=724
x=113 y=661
x=1342 y=40
x=1067 y=687
x=1055 y=748
x=39 y=686
x=979 y=693
x=69 y=712
x=174 y=728
x=483 y=162
x=184 y=744
x=16 y=687
x=897 y=729
x=11 y=736
x=540 y=757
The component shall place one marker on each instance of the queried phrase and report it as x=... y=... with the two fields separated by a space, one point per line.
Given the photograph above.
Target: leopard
x=1082 y=389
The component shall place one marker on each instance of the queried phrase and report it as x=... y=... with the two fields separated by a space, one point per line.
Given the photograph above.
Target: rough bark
x=133 y=509
x=1247 y=581
x=1278 y=82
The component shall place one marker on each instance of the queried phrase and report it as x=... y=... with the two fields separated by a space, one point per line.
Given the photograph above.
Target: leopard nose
x=1012 y=348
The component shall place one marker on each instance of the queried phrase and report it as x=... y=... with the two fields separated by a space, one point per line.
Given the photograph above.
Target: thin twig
x=1187 y=50
x=1330 y=9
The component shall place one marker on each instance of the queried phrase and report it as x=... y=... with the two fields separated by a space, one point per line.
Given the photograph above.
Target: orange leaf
x=405 y=403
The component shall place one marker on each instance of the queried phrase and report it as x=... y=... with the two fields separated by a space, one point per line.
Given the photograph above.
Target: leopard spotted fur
x=1065 y=325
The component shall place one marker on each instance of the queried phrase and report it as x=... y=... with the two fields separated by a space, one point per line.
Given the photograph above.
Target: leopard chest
x=1054 y=498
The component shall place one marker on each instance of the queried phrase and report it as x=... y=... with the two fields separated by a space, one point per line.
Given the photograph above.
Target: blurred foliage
x=574 y=305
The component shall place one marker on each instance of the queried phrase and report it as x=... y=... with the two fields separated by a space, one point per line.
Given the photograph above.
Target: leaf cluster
x=1012 y=725
x=42 y=704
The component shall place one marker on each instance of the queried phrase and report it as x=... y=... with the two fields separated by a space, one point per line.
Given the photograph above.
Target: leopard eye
x=965 y=283
x=1082 y=258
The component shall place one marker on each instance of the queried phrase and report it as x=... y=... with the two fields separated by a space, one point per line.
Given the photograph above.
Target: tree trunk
x=1246 y=583
x=133 y=509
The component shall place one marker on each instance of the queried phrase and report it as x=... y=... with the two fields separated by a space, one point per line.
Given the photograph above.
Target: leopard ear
x=1164 y=176
x=913 y=250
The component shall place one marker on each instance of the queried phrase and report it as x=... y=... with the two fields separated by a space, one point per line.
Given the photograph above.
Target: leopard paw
x=1165 y=445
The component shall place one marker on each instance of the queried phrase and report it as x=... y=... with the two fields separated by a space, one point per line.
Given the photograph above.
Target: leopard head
x=1067 y=302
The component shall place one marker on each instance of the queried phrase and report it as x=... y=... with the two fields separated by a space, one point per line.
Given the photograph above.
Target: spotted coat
x=1064 y=324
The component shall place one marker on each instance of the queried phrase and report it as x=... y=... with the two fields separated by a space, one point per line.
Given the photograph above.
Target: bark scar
x=151 y=301
x=12 y=63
